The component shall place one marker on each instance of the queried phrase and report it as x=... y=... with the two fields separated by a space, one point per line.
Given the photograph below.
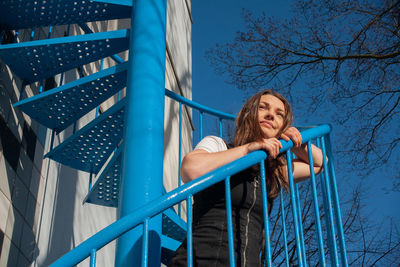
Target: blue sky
x=217 y=22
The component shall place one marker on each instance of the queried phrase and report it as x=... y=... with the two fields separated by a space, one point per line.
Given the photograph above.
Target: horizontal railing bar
x=175 y=196
x=198 y=106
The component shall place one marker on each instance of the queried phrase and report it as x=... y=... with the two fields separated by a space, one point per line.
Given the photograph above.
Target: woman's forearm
x=301 y=165
x=200 y=162
x=302 y=154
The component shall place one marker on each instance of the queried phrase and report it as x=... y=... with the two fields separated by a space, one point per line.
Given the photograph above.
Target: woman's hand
x=199 y=162
x=292 y=134
x=271 y=145
x=301 y=165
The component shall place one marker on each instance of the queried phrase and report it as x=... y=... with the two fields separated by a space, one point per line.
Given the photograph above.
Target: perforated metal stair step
x=89 y=148
x=37 y=60
x=173 y=225
x=21 y=14
x=105 y=192
x=173 y=234
x=60 y=107
x=168 y=248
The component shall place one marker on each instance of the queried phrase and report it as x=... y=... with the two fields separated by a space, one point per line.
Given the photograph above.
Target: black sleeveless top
x=210 y=232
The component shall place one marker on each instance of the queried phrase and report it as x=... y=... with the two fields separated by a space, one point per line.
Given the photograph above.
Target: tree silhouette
x=340 y=57
x=342 y=53
x=368 y=244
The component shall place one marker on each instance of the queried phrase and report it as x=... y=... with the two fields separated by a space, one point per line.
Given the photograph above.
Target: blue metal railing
x=186 y=191
x=328 y=191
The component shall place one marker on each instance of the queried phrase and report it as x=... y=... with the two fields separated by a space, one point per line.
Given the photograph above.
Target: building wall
x=41 y=211
x=21 y=179
x=178 y=78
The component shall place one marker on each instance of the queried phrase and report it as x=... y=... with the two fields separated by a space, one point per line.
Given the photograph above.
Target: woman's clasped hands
x=273 y=145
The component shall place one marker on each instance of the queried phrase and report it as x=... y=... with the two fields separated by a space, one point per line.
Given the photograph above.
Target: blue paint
x=105 y=191
x=61 y=106
x=284 y=228
x=64 y=12
x=201 y=108
x=142 y=162
x=265 y=214
x=141 y=199
x=115 y=57
x=32 y=34
x=332 y=232
x=326 y=203
x=294 y=208
x=93 y=254
x=83 y=150
x=339 y=222
x=201 y=125
x=228 y=202
x=189 y=220
x=145 y=243
x=316 y=208
x=37 y=59
x=300 y=222
x=220 y=127
x=184 y=192
x=180 y=154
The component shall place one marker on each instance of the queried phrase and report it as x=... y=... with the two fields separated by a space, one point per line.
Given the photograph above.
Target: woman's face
x=271 y=115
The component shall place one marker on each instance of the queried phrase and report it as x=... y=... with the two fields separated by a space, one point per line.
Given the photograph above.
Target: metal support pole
x=144 y=128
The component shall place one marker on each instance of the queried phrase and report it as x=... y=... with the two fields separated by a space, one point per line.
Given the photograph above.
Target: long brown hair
x=248 y=130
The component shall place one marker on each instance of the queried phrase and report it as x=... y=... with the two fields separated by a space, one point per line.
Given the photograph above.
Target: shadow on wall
x=20 y=175
x=171 y=125
x=61 y=232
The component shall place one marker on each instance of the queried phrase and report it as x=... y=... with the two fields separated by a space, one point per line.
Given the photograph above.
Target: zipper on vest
x=255 y=185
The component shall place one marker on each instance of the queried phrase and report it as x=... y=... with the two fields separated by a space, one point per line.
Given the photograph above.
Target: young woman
x=263 y=119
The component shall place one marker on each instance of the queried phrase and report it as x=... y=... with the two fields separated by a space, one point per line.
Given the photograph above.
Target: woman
x=263 y=119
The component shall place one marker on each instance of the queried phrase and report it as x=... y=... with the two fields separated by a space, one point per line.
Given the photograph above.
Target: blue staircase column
x=142 y=162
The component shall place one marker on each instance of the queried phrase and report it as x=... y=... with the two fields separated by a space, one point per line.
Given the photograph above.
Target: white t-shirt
x=212 y=144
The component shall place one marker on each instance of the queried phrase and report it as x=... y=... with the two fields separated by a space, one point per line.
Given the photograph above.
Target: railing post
x=189 y=221
x=284 y=229
x=268 y=255
x=228 y=205
x=142 y=164
x=294 y=208
x=320 y=239
x=339 y=222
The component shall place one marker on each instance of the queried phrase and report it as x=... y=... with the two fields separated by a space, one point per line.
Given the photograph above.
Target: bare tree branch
x=348 y=55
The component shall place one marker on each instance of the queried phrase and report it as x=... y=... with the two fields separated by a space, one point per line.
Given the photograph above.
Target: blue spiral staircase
x=34 y=61
x=100 y=147
x=89 y=148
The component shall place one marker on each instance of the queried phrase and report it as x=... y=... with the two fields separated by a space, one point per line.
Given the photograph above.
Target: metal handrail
x=181 y=193
x=201 y=108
